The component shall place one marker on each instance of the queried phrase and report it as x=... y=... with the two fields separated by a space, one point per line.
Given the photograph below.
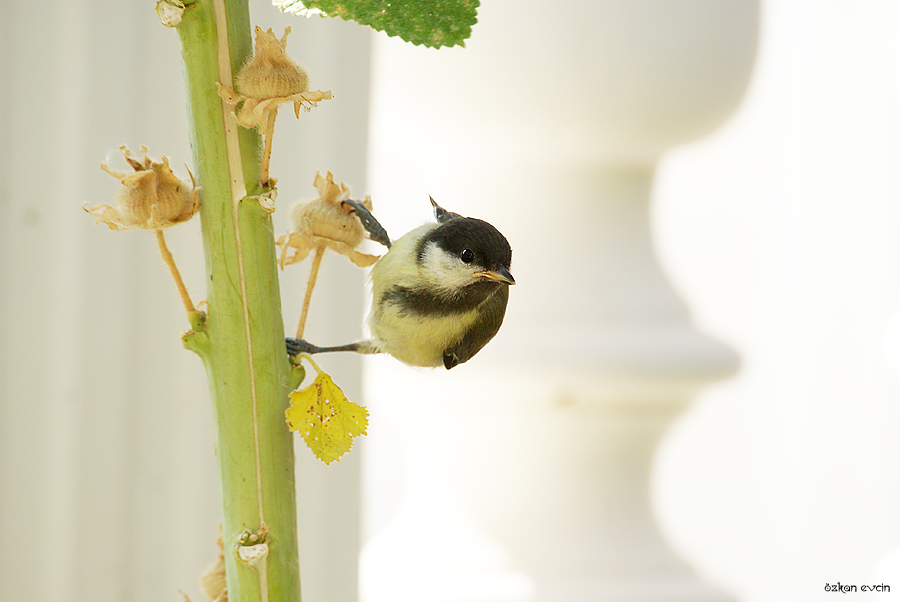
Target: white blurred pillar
x=549 y=125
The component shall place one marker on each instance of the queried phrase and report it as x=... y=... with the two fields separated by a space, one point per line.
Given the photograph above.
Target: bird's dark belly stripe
x=422 y=302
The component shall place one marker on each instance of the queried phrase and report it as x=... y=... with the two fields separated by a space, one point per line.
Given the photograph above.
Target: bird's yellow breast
x=413 y=338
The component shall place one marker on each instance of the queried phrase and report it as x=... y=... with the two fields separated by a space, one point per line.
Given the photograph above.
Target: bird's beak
x=501 y=274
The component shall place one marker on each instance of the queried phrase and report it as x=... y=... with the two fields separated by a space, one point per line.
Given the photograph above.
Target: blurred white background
x=778 y=230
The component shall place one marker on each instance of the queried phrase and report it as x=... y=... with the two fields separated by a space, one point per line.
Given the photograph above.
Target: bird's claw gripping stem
x=298 y=346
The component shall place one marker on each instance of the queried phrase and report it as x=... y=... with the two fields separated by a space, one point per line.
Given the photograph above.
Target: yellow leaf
x=325 y=418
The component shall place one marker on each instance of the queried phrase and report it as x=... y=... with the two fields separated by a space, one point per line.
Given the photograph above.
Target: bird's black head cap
x=472 y=240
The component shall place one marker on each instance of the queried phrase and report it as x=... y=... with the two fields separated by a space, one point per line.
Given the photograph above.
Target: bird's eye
x=467 y=256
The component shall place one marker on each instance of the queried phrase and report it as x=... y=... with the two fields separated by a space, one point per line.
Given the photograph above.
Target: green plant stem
x=242 y=344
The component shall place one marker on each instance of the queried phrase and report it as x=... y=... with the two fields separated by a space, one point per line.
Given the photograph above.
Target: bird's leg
x=297 y=346
x=376 y=231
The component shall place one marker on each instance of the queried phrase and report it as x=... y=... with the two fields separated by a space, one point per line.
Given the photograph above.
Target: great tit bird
x=438 y=295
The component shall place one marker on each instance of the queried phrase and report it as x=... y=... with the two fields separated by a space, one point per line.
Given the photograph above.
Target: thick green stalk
x=242 y=341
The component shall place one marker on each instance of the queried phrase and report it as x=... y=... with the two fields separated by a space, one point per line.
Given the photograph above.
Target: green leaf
x=432 y=23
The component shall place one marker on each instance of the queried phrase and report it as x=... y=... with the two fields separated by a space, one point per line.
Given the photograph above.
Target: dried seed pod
x=212 y=580
x=271 y=73
x=152 y=197
x=325 y=222
x=326 y=217
x=269 y=79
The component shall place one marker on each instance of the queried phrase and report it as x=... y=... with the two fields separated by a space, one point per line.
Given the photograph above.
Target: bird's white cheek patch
x=444 y=271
